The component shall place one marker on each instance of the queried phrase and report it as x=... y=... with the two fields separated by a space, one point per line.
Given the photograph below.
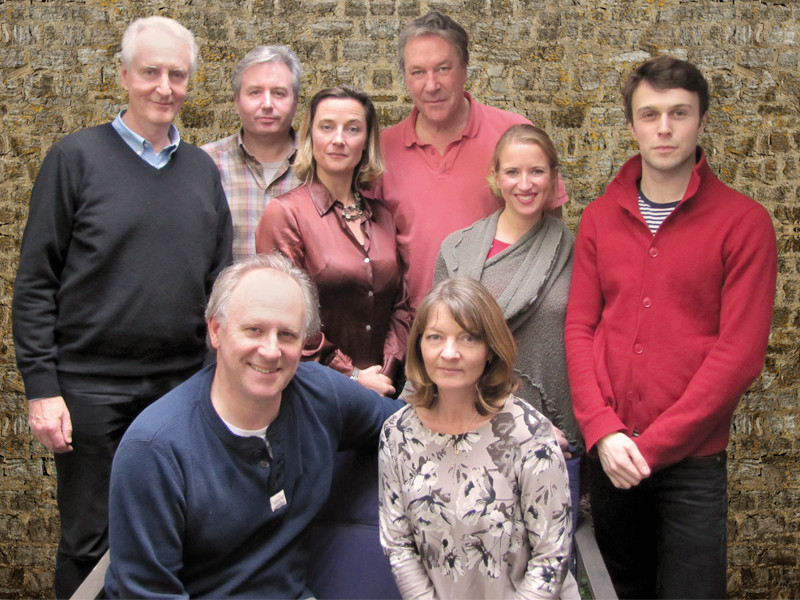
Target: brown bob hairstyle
x=476 y=311
x=370 y=168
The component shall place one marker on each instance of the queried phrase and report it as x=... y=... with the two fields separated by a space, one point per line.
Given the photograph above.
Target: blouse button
x=370 y=294
x=366 y=260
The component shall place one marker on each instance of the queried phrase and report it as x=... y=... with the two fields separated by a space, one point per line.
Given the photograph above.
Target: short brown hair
x=524 y=134
x=476 y=311
x=434 y=23
x=370 y=168
x=666 y=73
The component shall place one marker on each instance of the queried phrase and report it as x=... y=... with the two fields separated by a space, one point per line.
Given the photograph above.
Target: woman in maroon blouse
x=344 y=241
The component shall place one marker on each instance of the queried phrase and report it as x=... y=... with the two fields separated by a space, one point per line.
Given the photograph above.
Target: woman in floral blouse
x=474 y=498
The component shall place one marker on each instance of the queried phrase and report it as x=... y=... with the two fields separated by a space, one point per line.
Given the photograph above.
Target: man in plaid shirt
x=255 y=163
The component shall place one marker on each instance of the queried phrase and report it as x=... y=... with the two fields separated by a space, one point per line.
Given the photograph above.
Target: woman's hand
x=372 y=378
x=563 y=442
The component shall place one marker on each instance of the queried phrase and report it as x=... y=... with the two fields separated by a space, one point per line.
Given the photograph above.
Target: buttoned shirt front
x=247 y=189
x=142 y=147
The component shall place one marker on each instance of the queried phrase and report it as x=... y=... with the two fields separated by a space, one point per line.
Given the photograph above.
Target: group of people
x=203 y=336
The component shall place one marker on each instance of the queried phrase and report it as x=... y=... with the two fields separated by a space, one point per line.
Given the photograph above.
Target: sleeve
x=45 y=243
x=547 y=513
x=395 y=529
x=584 y=308
x=736 y=357
x=224 y=254
x=394 y=347
x=146 y=524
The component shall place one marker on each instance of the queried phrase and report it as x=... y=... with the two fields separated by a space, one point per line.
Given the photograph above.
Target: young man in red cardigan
x=667 y=326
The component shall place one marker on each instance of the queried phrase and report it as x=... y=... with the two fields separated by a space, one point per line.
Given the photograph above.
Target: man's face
x=666 y=124
x=259 y=347
x=435 y=78
x=266 y=102
x=156 y=80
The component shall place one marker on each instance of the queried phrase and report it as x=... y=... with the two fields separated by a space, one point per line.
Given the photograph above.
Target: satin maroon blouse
x=363 y=299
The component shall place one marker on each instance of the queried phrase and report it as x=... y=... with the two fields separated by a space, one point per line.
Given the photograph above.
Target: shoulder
x=85 y=140
x=197 y=158
x=497 y=118
x=472 y=232
x=219 y=146
x=171 y=414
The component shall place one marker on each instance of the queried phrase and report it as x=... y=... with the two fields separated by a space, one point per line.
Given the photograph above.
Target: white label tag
x=278 y=501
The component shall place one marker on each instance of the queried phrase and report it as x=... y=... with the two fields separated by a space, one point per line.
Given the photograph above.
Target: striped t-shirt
x=653 y=212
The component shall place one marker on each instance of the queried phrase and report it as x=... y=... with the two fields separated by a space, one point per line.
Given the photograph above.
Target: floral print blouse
x=484 y=514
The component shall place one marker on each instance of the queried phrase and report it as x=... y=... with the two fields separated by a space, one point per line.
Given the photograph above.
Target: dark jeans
x=667 y=537
x=101 y=409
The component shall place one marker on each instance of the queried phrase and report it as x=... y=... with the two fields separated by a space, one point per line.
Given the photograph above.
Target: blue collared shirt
x=144 y=148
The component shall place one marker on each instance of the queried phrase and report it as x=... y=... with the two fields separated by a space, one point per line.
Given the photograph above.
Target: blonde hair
x=476 y=311
x=524 y=134
x=370 y=168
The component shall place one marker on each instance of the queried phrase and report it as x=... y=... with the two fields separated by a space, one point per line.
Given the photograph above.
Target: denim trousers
x=666 y=537
x=101 y=409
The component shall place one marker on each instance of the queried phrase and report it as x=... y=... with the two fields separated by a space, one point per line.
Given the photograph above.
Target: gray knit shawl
x=530 y=280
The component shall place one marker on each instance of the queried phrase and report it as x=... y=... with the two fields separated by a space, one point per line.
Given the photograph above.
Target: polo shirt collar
x=470 y=130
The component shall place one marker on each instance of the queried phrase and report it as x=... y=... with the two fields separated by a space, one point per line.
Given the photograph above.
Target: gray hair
x=434 y=23
x=220 y=300
x=264 y=54
x=163 y=24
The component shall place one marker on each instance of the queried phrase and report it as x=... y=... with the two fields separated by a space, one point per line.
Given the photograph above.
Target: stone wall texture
x=559 y=62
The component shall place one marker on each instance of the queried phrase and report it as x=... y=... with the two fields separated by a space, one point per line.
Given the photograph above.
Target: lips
x=263 y=371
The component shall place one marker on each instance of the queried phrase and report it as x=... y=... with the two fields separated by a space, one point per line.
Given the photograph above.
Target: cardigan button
x=653 y=252
x=647 y=302
x=638 y=348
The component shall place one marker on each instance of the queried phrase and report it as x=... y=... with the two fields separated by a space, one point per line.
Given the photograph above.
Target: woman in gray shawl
x=524 y=257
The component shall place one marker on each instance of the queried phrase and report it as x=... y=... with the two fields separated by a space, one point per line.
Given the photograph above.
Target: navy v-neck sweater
x=117 y=261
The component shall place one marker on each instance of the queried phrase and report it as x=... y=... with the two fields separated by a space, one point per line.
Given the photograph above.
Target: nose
x=164 y=87
x=268 y=348
x=664 y=124
x=526 y=182
x=450 y=350
x=431 y=83
x=338 y=135
x=266 y=100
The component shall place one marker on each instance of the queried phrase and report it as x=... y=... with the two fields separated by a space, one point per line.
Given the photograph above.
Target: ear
x=214 y=327
x=123 y=77
x=703 y=121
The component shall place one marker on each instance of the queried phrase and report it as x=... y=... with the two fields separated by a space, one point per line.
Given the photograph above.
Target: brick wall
x=560 y=62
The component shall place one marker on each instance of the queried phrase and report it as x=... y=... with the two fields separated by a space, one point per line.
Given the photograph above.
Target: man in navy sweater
x=214 y=485
x=127 y=231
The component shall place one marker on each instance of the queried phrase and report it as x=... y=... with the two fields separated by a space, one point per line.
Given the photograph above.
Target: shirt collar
x=142 y=147
x=470 y=130
x=246 y=152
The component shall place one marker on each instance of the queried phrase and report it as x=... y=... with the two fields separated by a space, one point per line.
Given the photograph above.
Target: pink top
x=363 y=304
x=432 y=195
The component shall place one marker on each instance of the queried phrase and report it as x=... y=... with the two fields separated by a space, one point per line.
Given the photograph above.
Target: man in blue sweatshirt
x=214 y=485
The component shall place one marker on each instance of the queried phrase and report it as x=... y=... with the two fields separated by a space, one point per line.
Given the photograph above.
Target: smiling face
x=666 y=124
x=259 y=345
x=435 y=78
x=266 y=102
x=338 y=137
x=526 y=181
x=156 y=79
x=454 y=358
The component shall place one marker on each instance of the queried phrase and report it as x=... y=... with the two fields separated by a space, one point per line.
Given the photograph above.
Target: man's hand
x=50 y=423
x=373 y=379
x=622 y=461
x=563 y=442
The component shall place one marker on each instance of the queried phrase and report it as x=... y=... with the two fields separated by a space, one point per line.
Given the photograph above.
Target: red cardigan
x=665 y=332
